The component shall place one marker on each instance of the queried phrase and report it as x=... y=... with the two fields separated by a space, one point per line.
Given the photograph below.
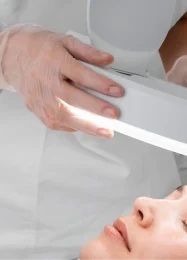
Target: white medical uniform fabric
x=58 y=189
x=156 y=67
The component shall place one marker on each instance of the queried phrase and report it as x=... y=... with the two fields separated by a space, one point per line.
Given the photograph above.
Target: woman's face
x=156 y=229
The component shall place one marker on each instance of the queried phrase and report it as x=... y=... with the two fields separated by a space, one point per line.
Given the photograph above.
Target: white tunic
x=58 y=189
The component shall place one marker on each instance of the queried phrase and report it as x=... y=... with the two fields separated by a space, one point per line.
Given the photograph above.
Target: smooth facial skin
x=156 y=229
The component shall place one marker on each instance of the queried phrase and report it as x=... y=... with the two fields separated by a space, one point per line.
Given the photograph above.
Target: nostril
x=140 y=215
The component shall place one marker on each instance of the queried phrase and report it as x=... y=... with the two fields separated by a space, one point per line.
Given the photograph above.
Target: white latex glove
x=41 y=65
x=178 y=73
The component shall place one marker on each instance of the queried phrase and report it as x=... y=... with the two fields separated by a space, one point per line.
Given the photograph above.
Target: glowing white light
x=129 y=130
x=132 y=131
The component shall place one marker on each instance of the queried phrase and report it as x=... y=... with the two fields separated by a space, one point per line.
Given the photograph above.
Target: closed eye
x=185 y=225
x=177 y=194
x=180 y=188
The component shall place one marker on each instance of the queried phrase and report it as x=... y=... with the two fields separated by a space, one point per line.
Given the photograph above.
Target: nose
x=144 y=211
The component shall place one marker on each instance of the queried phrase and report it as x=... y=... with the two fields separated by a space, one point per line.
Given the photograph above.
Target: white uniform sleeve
x=181 y=9
x=156 y=68
x=10 y=11
x=181 y=160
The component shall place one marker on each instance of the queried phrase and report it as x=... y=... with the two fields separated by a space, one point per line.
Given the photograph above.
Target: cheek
x=163 y=243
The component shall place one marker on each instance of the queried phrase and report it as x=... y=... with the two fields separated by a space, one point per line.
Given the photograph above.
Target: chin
x=92 y=250
x=88 y=251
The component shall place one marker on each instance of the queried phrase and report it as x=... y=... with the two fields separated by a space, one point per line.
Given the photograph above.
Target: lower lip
x=113 y=232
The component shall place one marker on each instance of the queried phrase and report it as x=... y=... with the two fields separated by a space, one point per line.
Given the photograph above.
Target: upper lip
x=122 y=228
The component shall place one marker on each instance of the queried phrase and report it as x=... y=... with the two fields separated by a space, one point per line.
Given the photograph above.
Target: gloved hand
x=40 y=65
x=178 y=73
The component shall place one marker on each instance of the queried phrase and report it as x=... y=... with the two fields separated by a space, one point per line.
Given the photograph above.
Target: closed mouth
x=122 y=229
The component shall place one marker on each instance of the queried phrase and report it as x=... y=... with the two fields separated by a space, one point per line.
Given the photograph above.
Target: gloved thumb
x=178 y=73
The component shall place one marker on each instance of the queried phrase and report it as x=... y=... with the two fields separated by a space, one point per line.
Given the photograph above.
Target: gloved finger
x=88 y=127
x=44 y=112
x=29 y=107
x=55 y=125
x=84 y=76
x=85 y=52
x=67 y=129
x=58 y=127
x=62 y=116
x=83 y=100
x=76 y=120
x=178 y=72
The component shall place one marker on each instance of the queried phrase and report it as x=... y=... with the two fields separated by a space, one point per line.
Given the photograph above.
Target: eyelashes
x=185 y=225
